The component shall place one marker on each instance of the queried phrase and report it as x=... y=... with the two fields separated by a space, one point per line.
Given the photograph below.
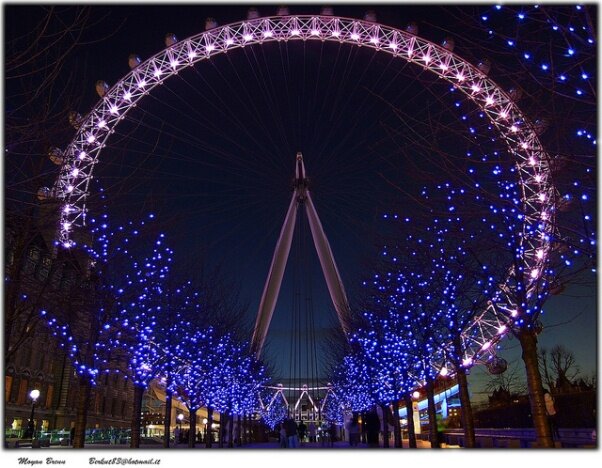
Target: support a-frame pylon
x=301 y=199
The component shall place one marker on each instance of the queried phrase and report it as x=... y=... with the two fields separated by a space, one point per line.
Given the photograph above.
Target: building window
x=49 y=395
x=22 y=396
x=8 y=385
x=34 y=254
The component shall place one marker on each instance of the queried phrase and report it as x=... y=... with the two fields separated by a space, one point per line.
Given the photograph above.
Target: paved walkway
x=262 y=446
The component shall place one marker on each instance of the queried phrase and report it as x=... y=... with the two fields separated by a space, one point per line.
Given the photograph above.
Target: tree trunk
x=410 y=416
x=222 y=425
x=192 y=428
x=385 y=409
x=136 y=412
x=396 y=425
x=240 y=431
x=432 y=412
x=209 y=431
x=231 y=430
x=167 y=420
x=467 y=418
x=245 y=428
x=81 y=415
x=528 y=342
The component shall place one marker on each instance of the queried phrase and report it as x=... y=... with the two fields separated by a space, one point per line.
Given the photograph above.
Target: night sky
x=212 y=150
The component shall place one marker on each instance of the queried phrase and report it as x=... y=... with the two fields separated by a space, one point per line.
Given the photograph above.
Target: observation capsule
x=43 y=193
x=557 y=288
x=484 y=65
x=515 y=94
x=75 y=119
x=56 y=156
x=370 y=16
x=327 y=11
x=412 y=28
x=540 y=126
x=497 y=365
x=210 y=23
x=170 y=39
x=448 y=43
x=133 y=61
x=564 y=204
x=101 y=88
x=252 y=14
x=282 y=11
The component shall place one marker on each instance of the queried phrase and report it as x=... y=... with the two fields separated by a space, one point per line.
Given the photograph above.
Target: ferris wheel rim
x=538 y=194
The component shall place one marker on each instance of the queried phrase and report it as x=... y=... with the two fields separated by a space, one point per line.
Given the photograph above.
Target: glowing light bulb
x=514 y=129
x=174 y=63
x=475 y=88
x=91 y=139
x=416 y=394
x=210 y=47
x=268 y=34
x=443 y=67
x=127 y=96
x=534 y=273
x=82 y=155
x=229 y=41
x=75 y=172
x=541 y=197
x=315 y=32
x=70 y=188
x=444 y=371
x=374 y=40
x=113 y=110
x=538 y=178
x=336 y=33
x=501 y=329
x=191 y=54
x=295 y=32
x=157 y=73
x=142 y=84
x=489 y=101
x=247 y=37
x=355 y=36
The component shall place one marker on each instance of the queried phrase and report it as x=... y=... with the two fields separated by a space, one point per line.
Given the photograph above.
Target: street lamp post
x=205 y=429
x=180 y=417
x=31 y=428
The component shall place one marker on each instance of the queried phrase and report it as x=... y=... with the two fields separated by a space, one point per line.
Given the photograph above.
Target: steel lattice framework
x=532 y=163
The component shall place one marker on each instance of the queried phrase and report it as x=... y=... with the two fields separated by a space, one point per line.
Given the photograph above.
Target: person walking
x=301 y=429
x=354 y=431
x=291 y=433
x=176 y=435
x=311 y=431
x=332 y=433
x=372 y=429
x=283 y=438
